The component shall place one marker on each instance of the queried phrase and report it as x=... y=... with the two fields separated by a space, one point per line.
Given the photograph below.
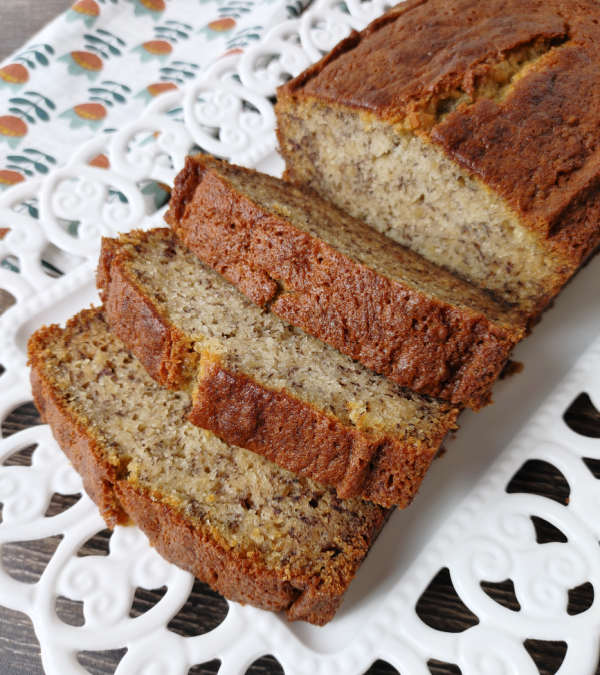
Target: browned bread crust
x=382 y=466
x=420 y=326
x=79 y=443
x=167 y=354
x=536 y=147
x=238 y=579
x=120 y=495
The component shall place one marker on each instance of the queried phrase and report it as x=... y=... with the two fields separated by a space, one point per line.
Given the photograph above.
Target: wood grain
x=21 y=19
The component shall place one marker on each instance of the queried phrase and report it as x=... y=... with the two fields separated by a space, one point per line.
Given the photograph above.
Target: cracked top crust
x=505 y=87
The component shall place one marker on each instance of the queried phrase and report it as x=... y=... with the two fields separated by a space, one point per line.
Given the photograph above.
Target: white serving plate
x=462 y=518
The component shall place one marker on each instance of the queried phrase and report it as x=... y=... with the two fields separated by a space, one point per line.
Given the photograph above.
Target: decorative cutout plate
x=463 y=518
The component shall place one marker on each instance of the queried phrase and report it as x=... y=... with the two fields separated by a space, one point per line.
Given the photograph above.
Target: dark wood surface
x=21 y=19
x=439 y=607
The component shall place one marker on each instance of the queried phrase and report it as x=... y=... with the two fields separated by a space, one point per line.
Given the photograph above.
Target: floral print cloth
x=95 y=68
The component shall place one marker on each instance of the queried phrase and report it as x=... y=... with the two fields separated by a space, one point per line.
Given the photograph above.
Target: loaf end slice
x=343 y=282
x=263 y=384
x=467 y=132
x=256 y=533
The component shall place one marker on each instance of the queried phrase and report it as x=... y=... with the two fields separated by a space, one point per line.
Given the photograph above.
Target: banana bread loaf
x=343 y=282
x=256 y=533
x=262 y=384
x=466 y=130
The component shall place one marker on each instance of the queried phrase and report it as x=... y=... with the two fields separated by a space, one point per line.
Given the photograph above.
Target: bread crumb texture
x=219 y=321
x=294 y=527
x=343 y=282
x=466 y=130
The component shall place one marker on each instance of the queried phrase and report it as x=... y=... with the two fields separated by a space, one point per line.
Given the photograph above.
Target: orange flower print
x=85 y=114
x=152 y=8
x=232 y=52
x=166 y=36
x=98 y=48
x=100 y=161
x=160 y=88
x=12 y=127
x=84 y=10
x=222 y=25
x=218 y=27
x=83 y=63
x=8 y=178
x=34 y=108
x=152 y=90
x=14 y=76
x=154 y=49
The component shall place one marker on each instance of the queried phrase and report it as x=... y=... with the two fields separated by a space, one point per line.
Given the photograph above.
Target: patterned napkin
x=95 y=68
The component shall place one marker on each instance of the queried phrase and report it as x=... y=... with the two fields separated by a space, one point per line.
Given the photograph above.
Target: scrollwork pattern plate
x=463 y=519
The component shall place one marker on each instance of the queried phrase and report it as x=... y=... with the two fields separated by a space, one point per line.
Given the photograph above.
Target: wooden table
x=440 y=606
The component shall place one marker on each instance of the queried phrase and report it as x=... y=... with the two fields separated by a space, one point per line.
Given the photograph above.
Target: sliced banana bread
x=253 y=531
x=261 y=383
x=466 y=130
x=343 y=282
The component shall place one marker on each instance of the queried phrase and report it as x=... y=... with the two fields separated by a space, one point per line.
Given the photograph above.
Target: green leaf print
x=41 y=113
x=296 y=9
x=110 y=93
x=244 y=37
x=37 y=153
x=178 y=23
x=31 y=163
x=116 y=84
x=33 y=104
x=51 y=270
x=179 y=74
x=159 y=192
x=22 y=113
x=110 y=35
x=236 y=8
x=11 y=263
x=171 y=31
x=105 y=45
x=27 y=172
x=41 y=97
x=30 y=205
x=34 y=54
x=115 y=194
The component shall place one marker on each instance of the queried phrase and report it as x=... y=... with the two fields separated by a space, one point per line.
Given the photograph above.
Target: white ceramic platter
x=462 y=519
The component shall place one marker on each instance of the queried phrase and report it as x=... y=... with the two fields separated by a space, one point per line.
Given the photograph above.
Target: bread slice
x=342 y=282
x=262 y=384
x=256 y=533
x=467 y=131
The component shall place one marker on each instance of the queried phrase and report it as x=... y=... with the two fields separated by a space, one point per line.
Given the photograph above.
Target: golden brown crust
x=275 y=424
x=304 y=440
x=242 y=580
x=537 y=150
x=74 y=438
x=422 y=49
x=195 y=548
x=419 y=341
x=166 y=353
x=197 y=551
x=537 y=147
